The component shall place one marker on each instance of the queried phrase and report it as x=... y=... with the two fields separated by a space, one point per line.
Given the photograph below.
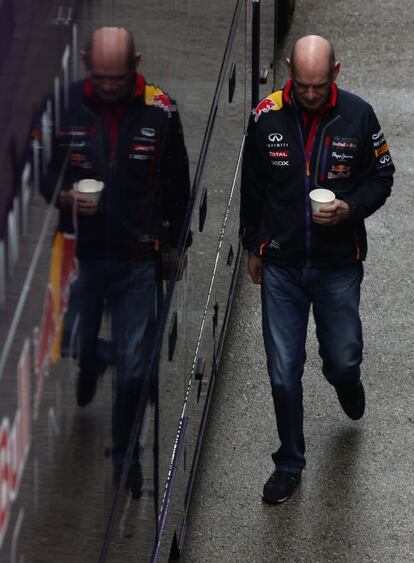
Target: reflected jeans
x=287 y=294
x=128 y=289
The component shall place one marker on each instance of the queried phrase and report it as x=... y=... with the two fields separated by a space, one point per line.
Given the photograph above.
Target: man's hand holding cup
x=83 y=197
x=326 y=209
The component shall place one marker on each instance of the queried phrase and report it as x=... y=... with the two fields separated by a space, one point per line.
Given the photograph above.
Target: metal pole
x=255 y=52
x=275 y=23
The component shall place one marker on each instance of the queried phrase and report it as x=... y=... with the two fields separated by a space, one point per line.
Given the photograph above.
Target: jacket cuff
x=352 y=207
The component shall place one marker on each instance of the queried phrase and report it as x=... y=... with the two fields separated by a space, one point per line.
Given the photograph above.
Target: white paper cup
x=319 y=198
x=91 y=188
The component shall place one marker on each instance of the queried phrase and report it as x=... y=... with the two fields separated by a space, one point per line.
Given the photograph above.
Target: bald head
x=111 y=60
x=312 y=68
x=112 y=45
x=313 y=54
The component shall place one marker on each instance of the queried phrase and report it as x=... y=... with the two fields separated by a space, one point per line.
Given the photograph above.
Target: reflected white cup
x=90 y=187
x=319 y=198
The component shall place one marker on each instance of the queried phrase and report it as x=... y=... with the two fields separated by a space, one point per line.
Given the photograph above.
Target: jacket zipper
x=307 y=190
x=107 y=171
x=103 y=166
x=322 y=171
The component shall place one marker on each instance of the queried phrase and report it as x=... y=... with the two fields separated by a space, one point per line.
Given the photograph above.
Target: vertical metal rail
x=275 y=40
x=255 y=52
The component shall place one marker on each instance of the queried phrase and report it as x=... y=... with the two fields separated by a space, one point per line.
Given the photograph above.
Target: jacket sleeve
x=376 y=176
x=253 y=182
x=175 y=179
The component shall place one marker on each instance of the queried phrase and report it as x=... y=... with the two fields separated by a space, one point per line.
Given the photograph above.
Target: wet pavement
x=355 y=502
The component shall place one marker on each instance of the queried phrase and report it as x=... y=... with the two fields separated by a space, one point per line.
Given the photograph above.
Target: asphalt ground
x=355 y=501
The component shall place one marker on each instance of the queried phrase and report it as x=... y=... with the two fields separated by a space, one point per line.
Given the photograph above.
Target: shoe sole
x=135 y=496
x=279 y=501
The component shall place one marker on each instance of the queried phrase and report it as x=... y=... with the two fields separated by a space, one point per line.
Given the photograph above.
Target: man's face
x=312 y=89
x=111 y=79
x=312 y=97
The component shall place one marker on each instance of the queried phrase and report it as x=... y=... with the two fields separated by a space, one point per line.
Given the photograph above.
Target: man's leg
x=285 y=313
x=132 y=300
x=90 y=288
x=69 y=346
x=336 y=296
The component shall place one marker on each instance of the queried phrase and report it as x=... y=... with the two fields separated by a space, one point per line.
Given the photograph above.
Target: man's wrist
x=350 y=208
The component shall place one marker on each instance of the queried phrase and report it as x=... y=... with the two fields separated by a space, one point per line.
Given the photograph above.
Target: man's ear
x=336 y=70
x=85 y=58
x=289 y=67
x=137 y=59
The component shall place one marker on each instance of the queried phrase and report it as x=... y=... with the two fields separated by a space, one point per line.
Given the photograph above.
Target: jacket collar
x=139 y=88
x=331 y=103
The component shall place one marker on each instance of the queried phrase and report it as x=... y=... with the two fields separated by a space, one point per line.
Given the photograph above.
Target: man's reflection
x=127 y=134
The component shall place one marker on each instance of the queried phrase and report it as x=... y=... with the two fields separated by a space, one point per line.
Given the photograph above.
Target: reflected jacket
x=287 y=154
x=138 y=150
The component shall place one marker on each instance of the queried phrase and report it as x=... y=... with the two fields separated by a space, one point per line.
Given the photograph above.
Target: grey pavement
x=355 y=502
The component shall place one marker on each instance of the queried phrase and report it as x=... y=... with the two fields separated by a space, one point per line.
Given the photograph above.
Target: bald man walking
x=127 y=133
x=310 y=135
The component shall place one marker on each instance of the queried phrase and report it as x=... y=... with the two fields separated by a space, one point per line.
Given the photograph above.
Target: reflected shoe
x=352 y=400
x=280 y=486
x=134 y=480
x=86 y=384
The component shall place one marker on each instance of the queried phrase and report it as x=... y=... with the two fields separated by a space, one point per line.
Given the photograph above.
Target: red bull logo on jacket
x=154 y=96
x=271 y=103
x=163 y=101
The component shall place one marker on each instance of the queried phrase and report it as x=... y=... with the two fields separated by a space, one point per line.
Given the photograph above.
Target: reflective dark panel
x=119 y=251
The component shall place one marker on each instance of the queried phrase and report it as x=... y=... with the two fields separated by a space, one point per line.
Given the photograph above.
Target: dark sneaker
x=352 y=400
x=86 y=384
x=134 y=480
x=280 y=486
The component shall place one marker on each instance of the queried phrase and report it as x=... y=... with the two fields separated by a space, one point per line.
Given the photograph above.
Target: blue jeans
x=128 y=289
x=287 y=294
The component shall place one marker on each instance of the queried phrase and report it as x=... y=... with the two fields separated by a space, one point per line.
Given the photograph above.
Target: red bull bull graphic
x=154 y=96
x=163 y=101
x=341 y=168
x=263 y=107
x=272 y=102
